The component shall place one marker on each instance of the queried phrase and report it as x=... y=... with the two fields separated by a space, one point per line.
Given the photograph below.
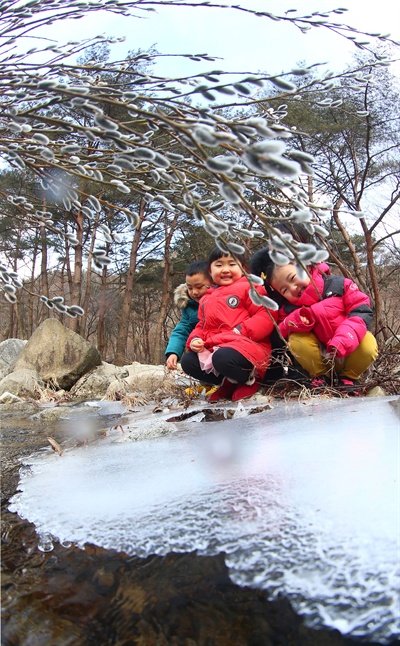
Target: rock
x=141 y=378
x=147 y=429
x=376 y=391
x=9 y=398
x=94 y=385
x=22 y=383
x=58 y=355
x=107 y=380
x=9 y=352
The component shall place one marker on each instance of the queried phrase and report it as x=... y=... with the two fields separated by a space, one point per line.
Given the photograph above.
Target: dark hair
x=198 y=267
x=216 y=253
x=261 y=262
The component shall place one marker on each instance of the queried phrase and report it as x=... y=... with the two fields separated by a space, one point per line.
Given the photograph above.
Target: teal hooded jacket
x=189 y=319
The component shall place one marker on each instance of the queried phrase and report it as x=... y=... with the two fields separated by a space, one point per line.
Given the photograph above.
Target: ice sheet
x=303 y=499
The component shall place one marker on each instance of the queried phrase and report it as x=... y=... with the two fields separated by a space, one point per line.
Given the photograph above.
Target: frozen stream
x=303 y=499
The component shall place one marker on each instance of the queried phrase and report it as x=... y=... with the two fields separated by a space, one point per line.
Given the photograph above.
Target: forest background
x=115 y=177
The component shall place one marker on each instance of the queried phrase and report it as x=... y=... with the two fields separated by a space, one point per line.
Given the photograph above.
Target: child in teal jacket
x=187 y=297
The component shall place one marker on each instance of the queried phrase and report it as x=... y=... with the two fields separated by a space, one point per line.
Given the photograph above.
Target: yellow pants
x=309 y=353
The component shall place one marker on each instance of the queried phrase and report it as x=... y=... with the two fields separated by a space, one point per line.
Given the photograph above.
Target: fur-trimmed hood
x=181 y=296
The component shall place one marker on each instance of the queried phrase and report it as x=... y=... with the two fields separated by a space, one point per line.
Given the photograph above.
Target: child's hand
x=172 y=362
x=305 y=320
x=332 y=351
x=197 y=345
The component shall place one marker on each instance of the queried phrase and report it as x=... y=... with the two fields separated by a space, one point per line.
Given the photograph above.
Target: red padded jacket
x=224 y=308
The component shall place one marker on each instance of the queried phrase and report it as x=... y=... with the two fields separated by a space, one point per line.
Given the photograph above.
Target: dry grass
x=385 y=373
x=51 y=395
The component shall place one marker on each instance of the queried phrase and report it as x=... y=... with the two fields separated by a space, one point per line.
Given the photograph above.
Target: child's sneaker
x=319 y=383
x=223 y=392
x=207 y=389
x=344 y=384
x=244 y=390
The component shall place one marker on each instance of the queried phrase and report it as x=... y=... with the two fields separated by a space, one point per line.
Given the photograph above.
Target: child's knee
x=303 y=344
x=370 y=346
x=306 y=349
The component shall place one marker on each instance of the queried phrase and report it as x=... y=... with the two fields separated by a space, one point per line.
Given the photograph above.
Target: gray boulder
x=9 y=352
x=112 y=381
x=94 y=384
x=376 y=391
x=22 y=383
x=143 y=378
x=58 y=355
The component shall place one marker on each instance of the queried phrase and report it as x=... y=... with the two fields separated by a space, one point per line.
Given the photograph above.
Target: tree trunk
x=76 y=285
x=88 y=287
x=101 y=330
x=44 y=281
x=356 y=260
x=381 y=325
x=31 y=323
x=158 y=350
x=123 y=323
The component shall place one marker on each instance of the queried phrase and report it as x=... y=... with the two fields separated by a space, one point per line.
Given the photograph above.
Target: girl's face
x=225 y=270
x=286 y=281
x=197 y=285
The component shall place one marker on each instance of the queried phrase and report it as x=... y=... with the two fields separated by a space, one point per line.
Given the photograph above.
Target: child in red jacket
x=325 y=320
x=230 y=345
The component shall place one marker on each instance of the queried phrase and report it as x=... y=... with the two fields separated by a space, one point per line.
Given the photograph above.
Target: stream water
x=298 y=504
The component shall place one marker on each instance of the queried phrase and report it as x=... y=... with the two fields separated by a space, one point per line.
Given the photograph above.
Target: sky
x=246 y=43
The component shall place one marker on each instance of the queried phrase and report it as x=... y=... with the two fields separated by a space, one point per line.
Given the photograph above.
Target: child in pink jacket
x=325 y=319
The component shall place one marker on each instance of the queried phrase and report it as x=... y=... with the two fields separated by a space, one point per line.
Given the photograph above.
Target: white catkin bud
x=282 y=84
x=321 y=255
x=269 y=146
x=277 y=244
x=105 y=124
x=236 y=248
x=218 y=164
x=132 y=219
x=321 y=231
x=301 y=216
x=76 y=309
x=300 y=155
x=70 y=149
x=279 y=258
x=161 y=160
x=229 y=193
x=258 y=299
x=256 y=280
x=307 y=256
x=221 y=245
x=95 y=203
x=144 y=153
x=301 y=272
x=60 y=307
x=41 y=138
x=211 y=229
x=47 y=154
x=10 y=298
x=205 y=136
